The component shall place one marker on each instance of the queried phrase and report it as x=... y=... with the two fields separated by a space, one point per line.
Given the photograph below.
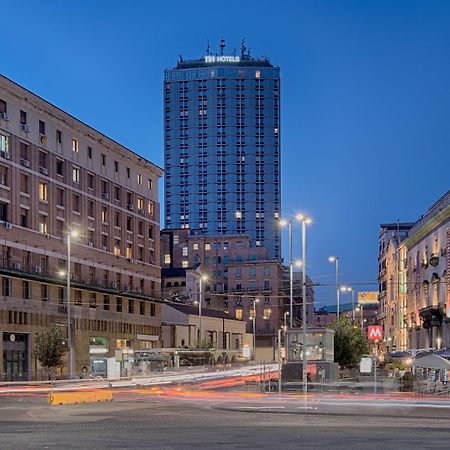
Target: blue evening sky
x=365 y=97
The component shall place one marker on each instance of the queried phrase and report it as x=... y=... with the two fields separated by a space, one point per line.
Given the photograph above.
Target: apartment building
x=59 y=176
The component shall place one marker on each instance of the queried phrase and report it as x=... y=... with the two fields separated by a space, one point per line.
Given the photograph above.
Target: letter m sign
x=375 y=333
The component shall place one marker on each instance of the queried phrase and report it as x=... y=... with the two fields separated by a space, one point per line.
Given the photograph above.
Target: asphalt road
x=161 y=423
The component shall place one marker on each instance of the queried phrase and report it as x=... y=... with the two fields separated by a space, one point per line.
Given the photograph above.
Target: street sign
x=375 y=333
x=365 y=365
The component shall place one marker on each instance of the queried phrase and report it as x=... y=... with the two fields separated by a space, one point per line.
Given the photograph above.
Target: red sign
x=375 y=333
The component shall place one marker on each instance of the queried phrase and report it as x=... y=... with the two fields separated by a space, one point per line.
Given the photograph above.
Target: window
x=23 y=117
x=75 y=145
x=141 y=308
x=42 y=127
x=117 y=247
x=78 y=297
x=267 y=313
x=150 y=185
x=4 y=211
x=207 y=246
x=43 y=192
x=4 y=143
x=239 y=314
x=119 y=304
x=89 y=152
x=60 y=197
x=104 y=214
x=185 y=264
x=266 y=271
x=116 y=166
x=151 y=207
x=6 y=287
x=129 y=251
x=43 y=225
x=140 y=203
x=76 y=203
x=90 y=179
x=59 y=167
x=117 y=193
x=90 y=208
x=128 y=172
x=252 y=272
x=141 y=228
x=76 y=174
x=3 y=175
x=167 y=258
x=2 y=107
x=185 y=251
x=139 y=178
x=26 y=290
x=130 y=306
x=129 y=223
x=117 y=219
x=58 y=137
x=152 y=309
x=44 y=292
x=93 y=300
x=24 y=218
x=151 y=232
x=103 y=159
x=106 y=302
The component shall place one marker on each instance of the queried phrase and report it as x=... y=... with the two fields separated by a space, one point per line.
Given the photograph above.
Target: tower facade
x=222 y=147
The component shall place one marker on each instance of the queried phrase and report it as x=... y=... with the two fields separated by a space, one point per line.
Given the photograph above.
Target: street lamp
x=200 y=300
x=255 y=301
x=350 y=289
x=304 y=220
x=286 y=313
x=70 y=234
x=361 y=309
x=291 y=271
x=335 y=260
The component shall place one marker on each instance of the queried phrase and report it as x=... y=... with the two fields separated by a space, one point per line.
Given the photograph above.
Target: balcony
x=434 y=259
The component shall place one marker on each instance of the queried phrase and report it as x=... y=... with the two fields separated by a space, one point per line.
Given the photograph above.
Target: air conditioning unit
x=141 y=212
x=91 y=244
x=105 y=195
x=8 y=225
x=16 y=265
x=131 y=260
x=43 y=170
x=24 y=162
x=114 y=285
x=25 y=127
x=4 y=116
x=130 y=206
x=37 y=269
x=4 y=154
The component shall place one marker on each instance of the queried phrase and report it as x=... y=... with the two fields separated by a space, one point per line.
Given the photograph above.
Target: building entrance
x=15 y=357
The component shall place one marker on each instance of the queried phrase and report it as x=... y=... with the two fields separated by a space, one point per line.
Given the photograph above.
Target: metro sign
x=375 y=333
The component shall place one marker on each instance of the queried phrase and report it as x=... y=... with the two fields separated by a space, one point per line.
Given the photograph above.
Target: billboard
x=367 y=297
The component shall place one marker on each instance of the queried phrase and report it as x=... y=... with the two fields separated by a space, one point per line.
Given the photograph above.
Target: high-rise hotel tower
x=222 y=147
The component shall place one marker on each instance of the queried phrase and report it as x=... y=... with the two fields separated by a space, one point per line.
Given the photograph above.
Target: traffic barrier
x=71 y=398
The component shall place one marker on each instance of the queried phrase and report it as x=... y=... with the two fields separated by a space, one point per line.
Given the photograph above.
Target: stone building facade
x=58 y=175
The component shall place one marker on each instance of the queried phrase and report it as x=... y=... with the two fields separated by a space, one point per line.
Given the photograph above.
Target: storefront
x=15 y=356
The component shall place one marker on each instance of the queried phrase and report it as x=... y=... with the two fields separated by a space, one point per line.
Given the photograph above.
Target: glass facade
x=222 y=149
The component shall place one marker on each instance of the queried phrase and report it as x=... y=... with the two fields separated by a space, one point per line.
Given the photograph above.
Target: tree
x=349 y=342
x=50 y=347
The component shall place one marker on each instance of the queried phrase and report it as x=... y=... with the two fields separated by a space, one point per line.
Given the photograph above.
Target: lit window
x=129 y=251
x=167 y=258
x=43 y=193
x=267 y=313
x=139 y=178
x=76 y=174
x=238 y=215
x=151 y=208
x=104 y=214
x=140 y=203
x=239 y=314
x=257 y=74
x=175 y=239
x=207 y=247
x=277 y=215
x=195 y=246
x=74 y=145
x=117 y=249
x=185 y=264
x=43 y=227
x=185 y=251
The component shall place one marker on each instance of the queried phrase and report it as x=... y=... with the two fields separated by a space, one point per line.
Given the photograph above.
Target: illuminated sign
x=375 y=333
x=367 y=297
x=219 y=58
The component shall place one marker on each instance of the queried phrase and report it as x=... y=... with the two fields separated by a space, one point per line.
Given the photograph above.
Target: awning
x=432 y=362
x=403 y=354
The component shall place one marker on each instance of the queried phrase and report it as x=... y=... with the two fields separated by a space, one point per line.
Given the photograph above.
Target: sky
x=365 y=99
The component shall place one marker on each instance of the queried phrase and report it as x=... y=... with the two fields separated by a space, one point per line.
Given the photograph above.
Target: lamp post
x=291 y=272
x=70 y=234
x=335 y=260
x=200 y=300
x=350 y=289
x=255 y=301
x=286 y=313
x=304 y=220
x=360 y=309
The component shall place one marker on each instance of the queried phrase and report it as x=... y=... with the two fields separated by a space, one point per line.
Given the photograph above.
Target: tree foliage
x=349 y=342
x=50 y=347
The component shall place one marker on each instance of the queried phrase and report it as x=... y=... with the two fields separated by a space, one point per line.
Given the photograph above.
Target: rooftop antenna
x=243 y=48
x=222 y=46
x=207 y=47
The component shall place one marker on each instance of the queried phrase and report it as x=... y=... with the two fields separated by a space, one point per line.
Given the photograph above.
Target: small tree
x=349 y=342
x=50 y=348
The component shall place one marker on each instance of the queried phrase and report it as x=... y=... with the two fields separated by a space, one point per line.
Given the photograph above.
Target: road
x=193 y=417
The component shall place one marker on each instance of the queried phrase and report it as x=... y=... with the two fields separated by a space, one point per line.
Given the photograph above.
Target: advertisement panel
x=367 y=297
